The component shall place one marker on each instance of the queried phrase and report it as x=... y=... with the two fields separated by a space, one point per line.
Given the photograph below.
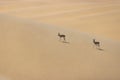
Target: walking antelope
x=62 y=36
x=96 y=43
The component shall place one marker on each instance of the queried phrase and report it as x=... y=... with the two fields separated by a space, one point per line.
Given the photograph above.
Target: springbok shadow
x=100 y=49
x=65 y=42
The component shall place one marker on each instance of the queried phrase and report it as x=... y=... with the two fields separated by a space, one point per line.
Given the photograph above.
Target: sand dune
x=95 y=17
x=31 y=50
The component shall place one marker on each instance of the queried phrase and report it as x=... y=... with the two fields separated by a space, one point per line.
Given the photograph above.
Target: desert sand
x=31 y=50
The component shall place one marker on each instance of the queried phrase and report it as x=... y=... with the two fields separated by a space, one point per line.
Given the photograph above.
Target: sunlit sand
x=31 y=49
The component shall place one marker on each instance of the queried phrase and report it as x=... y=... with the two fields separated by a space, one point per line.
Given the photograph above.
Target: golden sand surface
x=31 y=50
x=96 y=17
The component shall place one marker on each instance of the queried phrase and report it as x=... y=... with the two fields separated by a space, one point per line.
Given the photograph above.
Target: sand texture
x=30 y=48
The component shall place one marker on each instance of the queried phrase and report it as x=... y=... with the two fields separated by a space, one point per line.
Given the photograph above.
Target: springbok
x=62 y=36
x=96 y=43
